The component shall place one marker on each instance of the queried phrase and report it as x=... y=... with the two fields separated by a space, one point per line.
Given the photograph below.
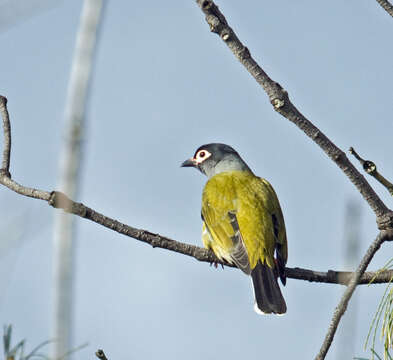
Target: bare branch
x=339 y=277
x=386 y=5
x=60 y=201
x=22 y=190
x=5 y=167
x=281 y=103
x=371 y=169
x=101 y=355
x=342 y=306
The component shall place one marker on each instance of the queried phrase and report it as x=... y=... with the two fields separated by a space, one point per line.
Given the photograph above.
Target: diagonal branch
x=342 y=306
x=387 y=6
x=281 y=103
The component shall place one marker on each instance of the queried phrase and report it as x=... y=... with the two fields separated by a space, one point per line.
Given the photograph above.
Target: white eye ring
x=201 y=156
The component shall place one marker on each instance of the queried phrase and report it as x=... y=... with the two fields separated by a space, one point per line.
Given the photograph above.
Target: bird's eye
x=201 y=156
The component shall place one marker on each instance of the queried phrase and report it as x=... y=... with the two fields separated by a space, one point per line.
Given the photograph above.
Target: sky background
x=162 y=86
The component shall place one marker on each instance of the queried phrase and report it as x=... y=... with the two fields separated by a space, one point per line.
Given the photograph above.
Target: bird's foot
x=215 y=264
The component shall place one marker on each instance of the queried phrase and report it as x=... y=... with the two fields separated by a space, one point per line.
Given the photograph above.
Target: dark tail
x=268 y=297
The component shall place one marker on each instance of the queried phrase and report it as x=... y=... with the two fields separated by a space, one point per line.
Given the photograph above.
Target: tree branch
x=370 y=168
x=5 y=167
x=60 y=201
x=339 y=277
x=342 y=306
x=386 y=5
x=281 y=103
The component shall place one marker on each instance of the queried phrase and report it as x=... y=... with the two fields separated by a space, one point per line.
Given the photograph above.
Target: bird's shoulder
x=231 y=179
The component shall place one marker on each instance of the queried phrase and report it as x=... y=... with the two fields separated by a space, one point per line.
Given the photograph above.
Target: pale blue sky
x=163 y=85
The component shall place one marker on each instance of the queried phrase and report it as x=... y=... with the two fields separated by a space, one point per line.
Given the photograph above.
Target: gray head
x=212 y=159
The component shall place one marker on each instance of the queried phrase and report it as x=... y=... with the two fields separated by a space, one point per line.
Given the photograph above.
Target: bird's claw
x=215 y=264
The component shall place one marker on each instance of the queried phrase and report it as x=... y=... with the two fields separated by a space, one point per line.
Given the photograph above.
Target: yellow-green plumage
x=242 y=222
x=254 y=202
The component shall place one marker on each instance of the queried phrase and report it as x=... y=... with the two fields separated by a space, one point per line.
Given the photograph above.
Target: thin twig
x=5 y=167
x=371 y=169
x=342 y=306
x=101 y=355
x=281 y=103
x=387 y=6
x=22 y=190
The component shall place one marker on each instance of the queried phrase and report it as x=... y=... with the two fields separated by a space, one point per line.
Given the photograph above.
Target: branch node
x=387 y=234
x=101 y=355
x=206 y=4
x=214 y=23
x=278 y=103
x=278 y=96
x=5 y=172
x=385 y=222
x=60 y=200
x=225 y=35
x=369 y=167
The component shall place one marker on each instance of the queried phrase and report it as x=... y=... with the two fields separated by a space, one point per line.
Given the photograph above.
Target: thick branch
x=281 y=103
x=387 y=6
x=342 y=306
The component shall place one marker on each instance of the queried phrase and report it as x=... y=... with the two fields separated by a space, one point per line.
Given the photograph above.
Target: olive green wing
x=221 y=231
x=273 y=207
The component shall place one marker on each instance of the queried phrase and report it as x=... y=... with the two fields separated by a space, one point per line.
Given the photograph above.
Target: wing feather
x=239 y=252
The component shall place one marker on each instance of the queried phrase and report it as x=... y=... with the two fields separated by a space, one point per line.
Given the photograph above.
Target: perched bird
x=243 y=222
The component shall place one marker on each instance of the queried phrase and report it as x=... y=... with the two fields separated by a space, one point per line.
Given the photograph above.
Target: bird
x=243 y=223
